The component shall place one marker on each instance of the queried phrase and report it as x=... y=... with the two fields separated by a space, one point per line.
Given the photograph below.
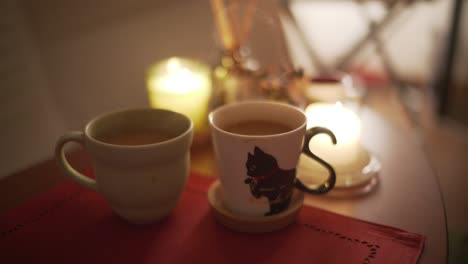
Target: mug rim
x=256 y=102
x=96 y=119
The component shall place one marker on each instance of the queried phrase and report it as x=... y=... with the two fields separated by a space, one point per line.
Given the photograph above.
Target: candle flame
x=178 y=78
x=173 y=64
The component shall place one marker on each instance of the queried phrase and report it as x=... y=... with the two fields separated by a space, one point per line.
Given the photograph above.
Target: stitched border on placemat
x=373 y=248
x=39 y=216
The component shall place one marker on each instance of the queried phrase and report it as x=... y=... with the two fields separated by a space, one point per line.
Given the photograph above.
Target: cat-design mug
x=257 y=146
x=140 y=158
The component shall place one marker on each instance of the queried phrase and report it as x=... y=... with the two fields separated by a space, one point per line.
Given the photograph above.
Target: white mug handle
x=65 y=166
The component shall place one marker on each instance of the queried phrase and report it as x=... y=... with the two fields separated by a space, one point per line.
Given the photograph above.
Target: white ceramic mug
x=142 y=181
x=258 y=172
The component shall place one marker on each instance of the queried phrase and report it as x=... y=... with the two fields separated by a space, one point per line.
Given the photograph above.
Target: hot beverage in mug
x=135 y=137
x=257 y=127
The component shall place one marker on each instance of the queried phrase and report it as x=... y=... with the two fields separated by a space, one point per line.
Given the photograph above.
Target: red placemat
x=71 y=224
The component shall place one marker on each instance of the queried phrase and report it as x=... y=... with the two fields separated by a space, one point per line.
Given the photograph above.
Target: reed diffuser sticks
x=233 y=29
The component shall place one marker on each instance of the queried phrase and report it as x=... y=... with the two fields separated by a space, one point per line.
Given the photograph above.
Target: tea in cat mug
x=140 y=159
x=257 y=146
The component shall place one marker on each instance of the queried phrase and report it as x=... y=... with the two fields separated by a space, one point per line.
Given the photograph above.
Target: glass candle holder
x=353 y=164
x=182 y=85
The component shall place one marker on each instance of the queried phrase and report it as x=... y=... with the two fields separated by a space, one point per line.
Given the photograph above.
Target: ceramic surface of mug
x=140 y=159
x=257 y=146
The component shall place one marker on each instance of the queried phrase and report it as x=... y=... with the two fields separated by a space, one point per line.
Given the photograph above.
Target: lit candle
x=346 y=126
x=181 y=85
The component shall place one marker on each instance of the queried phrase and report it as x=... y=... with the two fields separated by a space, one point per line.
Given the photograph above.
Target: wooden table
x=407 y=197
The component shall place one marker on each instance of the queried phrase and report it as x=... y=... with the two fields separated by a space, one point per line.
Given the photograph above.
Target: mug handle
x=330 y=182
x=75 y=136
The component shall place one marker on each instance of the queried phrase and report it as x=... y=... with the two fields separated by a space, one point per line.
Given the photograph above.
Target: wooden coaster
x=252 y=224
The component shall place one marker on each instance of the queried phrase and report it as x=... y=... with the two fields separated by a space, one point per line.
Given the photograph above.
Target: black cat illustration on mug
x=267 y=179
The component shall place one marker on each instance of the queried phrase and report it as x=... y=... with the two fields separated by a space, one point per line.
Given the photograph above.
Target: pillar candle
x=346 y=126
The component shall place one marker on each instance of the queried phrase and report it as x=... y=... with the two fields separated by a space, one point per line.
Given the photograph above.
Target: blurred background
x=63 y=62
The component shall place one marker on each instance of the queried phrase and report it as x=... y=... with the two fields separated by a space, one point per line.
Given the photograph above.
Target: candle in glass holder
x=346 y=126
x=181 y=85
